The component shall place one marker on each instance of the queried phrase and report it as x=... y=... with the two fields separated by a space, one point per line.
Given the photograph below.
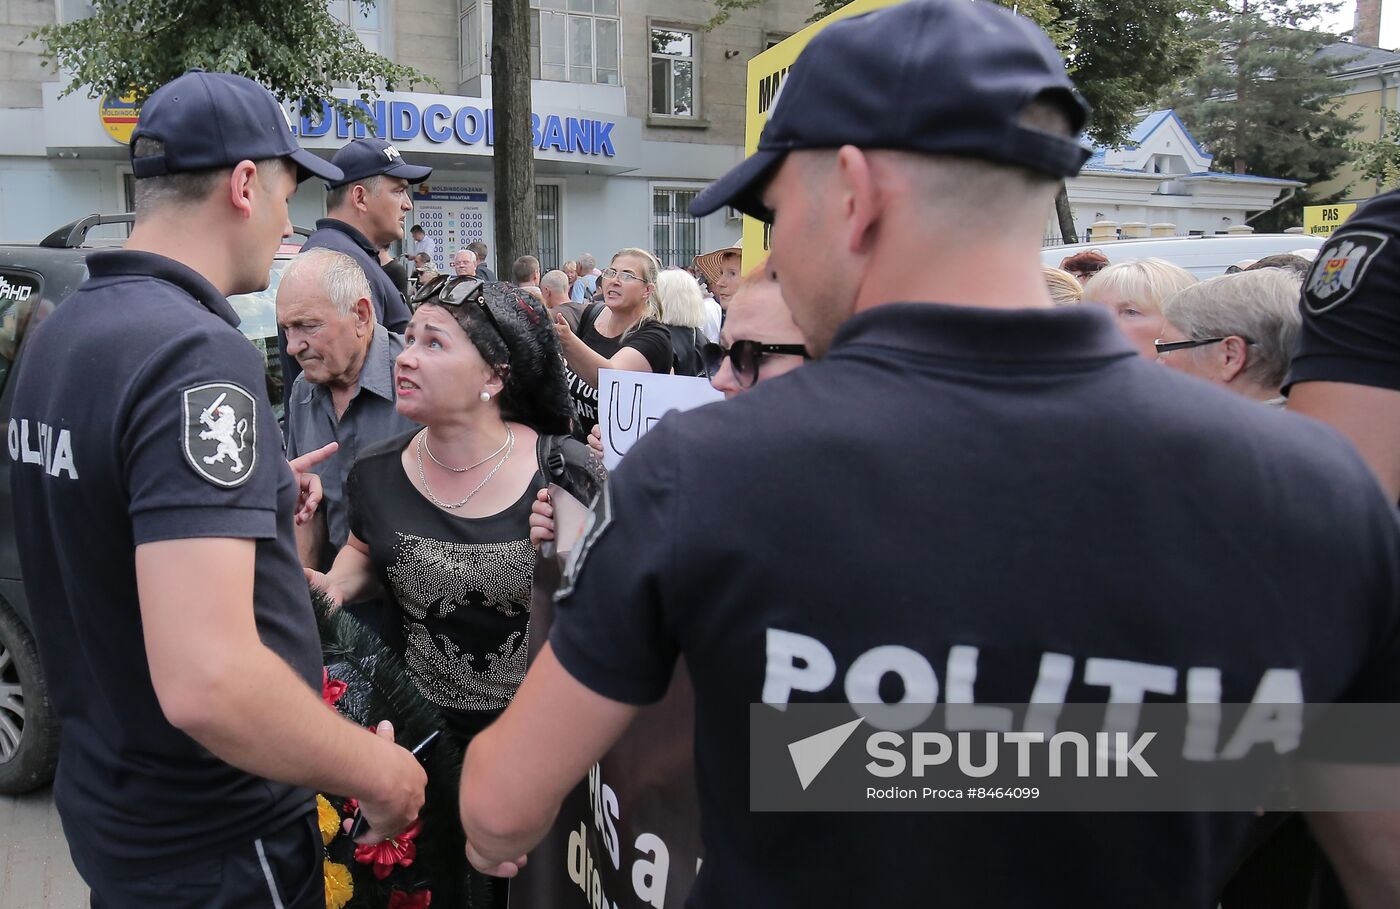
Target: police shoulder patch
x=1340 y=268
x=599 y=517
x=220 y=432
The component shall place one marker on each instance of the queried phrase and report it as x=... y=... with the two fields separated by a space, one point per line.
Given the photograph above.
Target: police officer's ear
x=359 y=195
x=364 y=316
x=241 y=187
x=857 y=186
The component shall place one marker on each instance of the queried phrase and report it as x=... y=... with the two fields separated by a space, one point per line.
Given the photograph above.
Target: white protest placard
x=631 y=403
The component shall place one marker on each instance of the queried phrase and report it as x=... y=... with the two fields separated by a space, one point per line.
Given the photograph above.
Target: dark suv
x=33 y=280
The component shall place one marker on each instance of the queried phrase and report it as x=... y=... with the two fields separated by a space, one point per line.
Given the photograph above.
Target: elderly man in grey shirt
x=345 y=392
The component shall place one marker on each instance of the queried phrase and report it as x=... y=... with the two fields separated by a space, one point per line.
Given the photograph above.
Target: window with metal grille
x=547 y=217
x=675 y=232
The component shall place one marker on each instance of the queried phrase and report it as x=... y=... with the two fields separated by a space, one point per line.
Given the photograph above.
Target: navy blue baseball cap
x=366 y=158
x=943 y=77
x=208 y=120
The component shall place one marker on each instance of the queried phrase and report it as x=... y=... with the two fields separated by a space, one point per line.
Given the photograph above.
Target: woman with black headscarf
x=440 y=517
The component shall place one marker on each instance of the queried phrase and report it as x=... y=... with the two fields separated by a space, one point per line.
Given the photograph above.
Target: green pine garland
x=378 y=687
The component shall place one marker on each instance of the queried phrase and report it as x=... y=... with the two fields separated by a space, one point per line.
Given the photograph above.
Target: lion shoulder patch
x=220 y=432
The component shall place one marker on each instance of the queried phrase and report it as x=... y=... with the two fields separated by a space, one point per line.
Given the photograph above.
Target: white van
x=1204 y=257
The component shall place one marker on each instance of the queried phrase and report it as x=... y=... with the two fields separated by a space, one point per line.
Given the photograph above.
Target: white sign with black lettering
x=631 y=403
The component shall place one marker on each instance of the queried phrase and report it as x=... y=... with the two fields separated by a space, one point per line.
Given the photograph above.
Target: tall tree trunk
x=1066 y=215
x=514 y=155
x=1239 y=163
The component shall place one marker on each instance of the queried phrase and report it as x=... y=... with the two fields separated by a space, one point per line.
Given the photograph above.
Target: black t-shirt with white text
x=1013 y=493
x=140 y=415
x=651 y=339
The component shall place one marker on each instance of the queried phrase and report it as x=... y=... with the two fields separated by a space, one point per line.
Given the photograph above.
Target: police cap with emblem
x=365 y=158
x=945 y=77
x=211 y=120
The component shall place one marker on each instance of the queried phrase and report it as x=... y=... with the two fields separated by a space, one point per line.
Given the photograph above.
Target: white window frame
x=66 y=10
x=673 y=186
x=471 y=62
x=695 y=32
x=385 y=31
x=537 y=14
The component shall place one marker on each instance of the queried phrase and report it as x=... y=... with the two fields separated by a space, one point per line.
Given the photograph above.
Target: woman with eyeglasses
x=763 y=343
x=623 y=332
x=1238 y=331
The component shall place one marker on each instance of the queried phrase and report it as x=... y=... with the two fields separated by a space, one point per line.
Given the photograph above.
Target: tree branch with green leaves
x=293 y=47
x=1380 y=160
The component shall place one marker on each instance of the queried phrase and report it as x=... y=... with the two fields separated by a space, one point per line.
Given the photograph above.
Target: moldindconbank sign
x=458 y=125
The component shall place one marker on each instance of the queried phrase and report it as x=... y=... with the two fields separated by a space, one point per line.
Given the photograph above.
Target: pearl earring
x=485 y=396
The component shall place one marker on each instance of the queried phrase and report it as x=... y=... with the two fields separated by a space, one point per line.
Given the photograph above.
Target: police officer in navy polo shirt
x=971 y=496
x=172 y=616
x=365 y=211
x=1347 y=368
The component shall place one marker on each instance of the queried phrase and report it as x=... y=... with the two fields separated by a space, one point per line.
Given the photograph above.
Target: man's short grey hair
x=556 y=281
x=586 y=263
x=467 y=251
x=1259 y=306
x=340 y=277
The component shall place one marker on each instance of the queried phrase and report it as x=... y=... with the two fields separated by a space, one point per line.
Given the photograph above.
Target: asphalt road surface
x=35 y=869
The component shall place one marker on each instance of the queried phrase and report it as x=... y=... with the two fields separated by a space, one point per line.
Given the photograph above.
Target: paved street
x=35 y=870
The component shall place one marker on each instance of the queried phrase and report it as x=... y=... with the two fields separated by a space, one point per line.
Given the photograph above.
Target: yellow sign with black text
x=766 y=74
x=1321 y=220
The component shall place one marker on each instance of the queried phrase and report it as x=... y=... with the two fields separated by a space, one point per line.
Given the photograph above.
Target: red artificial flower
x=331 y=689
x=393 y=852
x=418 y=899
x=351 y=806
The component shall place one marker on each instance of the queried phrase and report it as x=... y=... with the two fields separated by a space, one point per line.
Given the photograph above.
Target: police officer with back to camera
x=972 y=497
x=172 y=617
x=365 y=211
x=1347 y=368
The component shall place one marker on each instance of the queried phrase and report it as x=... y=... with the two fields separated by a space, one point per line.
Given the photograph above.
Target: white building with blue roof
x=1161 y=176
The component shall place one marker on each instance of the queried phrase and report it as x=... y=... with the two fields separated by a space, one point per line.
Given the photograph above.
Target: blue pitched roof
x=1147 y=126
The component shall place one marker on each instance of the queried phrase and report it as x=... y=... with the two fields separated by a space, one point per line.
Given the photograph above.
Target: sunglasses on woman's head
x=460 y=291
x=745 y=358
